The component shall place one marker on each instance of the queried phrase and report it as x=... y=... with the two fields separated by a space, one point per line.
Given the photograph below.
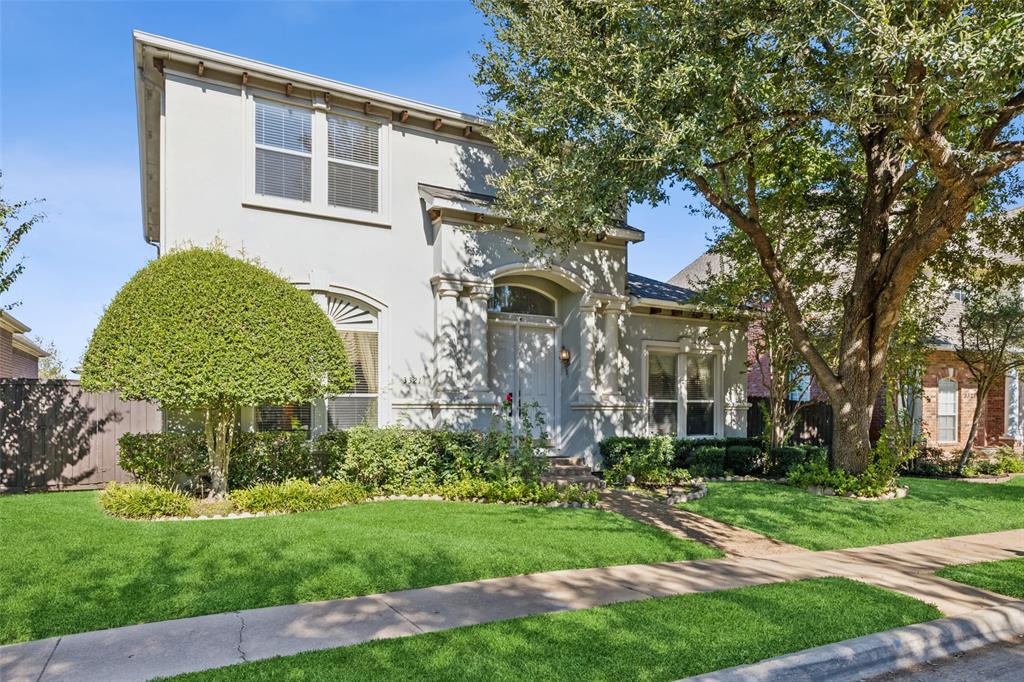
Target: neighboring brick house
x=19 y=357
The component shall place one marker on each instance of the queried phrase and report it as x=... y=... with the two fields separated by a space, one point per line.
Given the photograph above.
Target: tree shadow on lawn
x=124 y=572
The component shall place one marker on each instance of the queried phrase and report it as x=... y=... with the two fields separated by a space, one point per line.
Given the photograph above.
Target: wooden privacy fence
x=55 y=436
x=813 y=422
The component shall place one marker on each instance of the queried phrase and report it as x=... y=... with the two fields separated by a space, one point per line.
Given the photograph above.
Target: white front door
x=523 y=362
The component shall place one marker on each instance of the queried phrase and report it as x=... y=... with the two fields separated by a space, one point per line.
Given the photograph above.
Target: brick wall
x=756 y=379
x=6 y=354
x=991 y=428
x=24 y=366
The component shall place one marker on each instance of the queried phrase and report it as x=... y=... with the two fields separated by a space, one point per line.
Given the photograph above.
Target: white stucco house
x=379 y=206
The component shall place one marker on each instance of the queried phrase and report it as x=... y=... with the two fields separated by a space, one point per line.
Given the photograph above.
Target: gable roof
x=654 y=290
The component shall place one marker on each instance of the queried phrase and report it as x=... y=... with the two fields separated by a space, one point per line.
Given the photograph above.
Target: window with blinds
x=353 y=164
x=283 y=417
x=360 y=405
x=662 y=393
x=284 y=151
x=700 y=395
x=947 y=411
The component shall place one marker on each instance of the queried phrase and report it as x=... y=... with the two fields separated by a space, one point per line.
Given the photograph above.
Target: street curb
x=872 y=655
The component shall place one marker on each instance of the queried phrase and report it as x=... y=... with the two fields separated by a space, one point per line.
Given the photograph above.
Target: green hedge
x=144 y=501
x=645 y=459
x=392 y=458
x=743 y=460
x=298 y=496
x=685 y=447
x=708 y=460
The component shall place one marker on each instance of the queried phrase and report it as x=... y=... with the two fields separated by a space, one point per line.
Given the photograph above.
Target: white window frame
x=717 y=401
x=282 y=150
x=1011 y=376
x=956 y=411
x=318 y=205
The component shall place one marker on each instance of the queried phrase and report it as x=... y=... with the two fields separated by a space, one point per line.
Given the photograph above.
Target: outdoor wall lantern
x=565 y=356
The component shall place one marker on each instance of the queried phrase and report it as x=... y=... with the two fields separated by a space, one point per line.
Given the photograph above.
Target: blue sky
x=68 y=131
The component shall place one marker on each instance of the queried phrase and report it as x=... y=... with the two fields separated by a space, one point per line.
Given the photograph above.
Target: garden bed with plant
x=272 y=473
x=985 y=463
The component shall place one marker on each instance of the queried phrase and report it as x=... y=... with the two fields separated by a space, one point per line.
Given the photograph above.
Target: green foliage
x=271 y=457
x=1003 y=461
x=708 y=460
x=144 y=501
x=163 y=459
x=647 y=460
x=516 y=451
x=684 y=447
x=13 y=228
x=393 y=459
x=509 y=490
x=743 y=460
x=297 y=496
x=779 y=461
x=874 y=482
x=197 y=328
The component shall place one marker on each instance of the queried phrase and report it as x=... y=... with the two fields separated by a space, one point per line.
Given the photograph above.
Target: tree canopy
x=863 y=133
x=197 y=328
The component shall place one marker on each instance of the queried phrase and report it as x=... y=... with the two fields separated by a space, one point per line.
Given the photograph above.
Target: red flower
x=508 y=398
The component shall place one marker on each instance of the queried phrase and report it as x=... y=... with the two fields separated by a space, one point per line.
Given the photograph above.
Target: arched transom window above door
x=511 y=298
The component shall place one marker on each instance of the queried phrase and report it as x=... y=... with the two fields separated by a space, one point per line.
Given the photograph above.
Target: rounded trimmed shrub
x=144 y=501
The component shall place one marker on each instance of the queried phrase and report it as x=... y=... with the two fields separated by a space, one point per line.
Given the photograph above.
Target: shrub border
x=897 y=494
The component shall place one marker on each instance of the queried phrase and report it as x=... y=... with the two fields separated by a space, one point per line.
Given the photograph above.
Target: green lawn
x=656 y=639
x=67 y=567
x=933 y=509
x=1004 y=577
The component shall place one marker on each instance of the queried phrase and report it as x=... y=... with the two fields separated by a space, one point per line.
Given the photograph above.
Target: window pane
x=699 y=378
x=947 y=429
x=352 y=187
x=663 y=418
x=283 y=417
x=700 y=419
x=947 y=397
x=282 y=175
x=352 y=141
x=513 y=299
x=361 y=348
x=344 y=412
x=661 y=376
x=283 y=127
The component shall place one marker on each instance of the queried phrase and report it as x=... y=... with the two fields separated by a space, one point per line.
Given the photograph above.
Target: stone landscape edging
x=823 y=491
x=873 y=655
x=377 y=498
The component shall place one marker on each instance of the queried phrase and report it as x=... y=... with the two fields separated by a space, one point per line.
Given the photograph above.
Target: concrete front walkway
x=683 y=524
x=140 y=652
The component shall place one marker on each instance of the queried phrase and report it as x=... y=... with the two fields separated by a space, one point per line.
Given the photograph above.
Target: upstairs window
x=353 y=164
x=284 y=151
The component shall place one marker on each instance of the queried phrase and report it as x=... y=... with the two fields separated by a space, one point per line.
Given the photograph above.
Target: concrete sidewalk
x=140 y=652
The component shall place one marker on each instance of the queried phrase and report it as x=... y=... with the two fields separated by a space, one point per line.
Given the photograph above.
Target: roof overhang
x=479 y=208
x=12 y=324
x=21 y=343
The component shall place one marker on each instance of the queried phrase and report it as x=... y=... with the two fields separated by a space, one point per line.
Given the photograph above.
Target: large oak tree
x=864 y=131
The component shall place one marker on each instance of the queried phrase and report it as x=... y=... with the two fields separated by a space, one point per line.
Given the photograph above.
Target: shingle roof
x=645 y=287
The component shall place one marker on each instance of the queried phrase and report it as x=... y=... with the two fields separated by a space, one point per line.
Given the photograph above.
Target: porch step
x=565 y=461
x=588 y=482
x=569 y=470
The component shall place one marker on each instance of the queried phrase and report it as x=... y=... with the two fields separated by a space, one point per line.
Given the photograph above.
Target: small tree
x=53 y=365
x=13 y=229
x=200 y=330
x=990 y=342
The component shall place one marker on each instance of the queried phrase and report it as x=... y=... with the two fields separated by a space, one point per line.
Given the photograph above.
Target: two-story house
x=379 y=206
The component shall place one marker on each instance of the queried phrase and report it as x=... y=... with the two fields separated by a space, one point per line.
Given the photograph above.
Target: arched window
x=508 y=298
x=947 y=412
x=359 y=329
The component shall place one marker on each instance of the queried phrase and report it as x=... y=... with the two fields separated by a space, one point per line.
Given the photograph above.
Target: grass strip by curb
x=1002 y=577
x=654 y=639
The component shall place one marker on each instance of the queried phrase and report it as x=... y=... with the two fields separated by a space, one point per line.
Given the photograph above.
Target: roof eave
x=20 y=342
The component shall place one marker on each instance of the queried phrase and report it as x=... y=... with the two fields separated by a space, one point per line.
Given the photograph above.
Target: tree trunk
x=778 y=432
x=965 y=455
x=220 y=426
x=851 y=434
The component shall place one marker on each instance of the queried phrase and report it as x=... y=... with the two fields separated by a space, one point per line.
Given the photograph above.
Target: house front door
x=523 y=363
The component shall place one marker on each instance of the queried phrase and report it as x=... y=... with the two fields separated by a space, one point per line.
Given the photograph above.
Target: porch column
x=479 y=381
x=588 y=343
x=446 y=337
x=610 y=376
x=1013 y=407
